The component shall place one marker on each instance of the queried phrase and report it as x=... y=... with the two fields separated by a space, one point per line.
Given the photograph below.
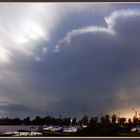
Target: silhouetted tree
x=85 y=120
x=38 y=121
x=74 y=121
x=135 y=121
x=114 y=118
x=47 y=120
x=18 y=121
x=107 y=119
x=102 y=120
x=93 y=120
x=27 y=121
x=122 y=121
x=129 y=121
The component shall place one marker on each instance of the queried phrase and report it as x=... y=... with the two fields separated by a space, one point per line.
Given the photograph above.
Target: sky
x=69 y=59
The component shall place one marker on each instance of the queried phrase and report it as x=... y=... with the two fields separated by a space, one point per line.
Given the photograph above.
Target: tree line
x=109 y=126
x=105 y=125
x=66 y=121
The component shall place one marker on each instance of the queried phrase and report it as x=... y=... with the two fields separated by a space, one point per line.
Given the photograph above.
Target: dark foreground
x=92 y=130
x=104 y=126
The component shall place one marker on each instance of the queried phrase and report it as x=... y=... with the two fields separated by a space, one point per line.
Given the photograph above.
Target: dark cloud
x=97 y=67
x=92 y=70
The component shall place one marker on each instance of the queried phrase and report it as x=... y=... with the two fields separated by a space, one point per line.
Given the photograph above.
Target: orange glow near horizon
x=127 y=113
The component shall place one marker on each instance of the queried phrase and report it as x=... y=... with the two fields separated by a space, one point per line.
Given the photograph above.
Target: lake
x=5 y=128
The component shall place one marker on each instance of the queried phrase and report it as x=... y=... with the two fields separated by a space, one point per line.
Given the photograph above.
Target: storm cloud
x=69 y=62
